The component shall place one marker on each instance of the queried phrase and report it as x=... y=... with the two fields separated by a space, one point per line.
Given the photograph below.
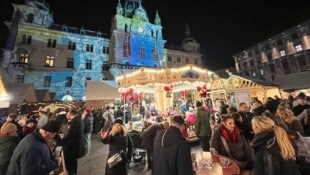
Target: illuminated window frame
x=49 y=61
x=24 y=58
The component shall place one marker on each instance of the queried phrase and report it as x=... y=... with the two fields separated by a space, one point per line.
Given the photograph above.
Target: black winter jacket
x=171 y=153
x=268 y=161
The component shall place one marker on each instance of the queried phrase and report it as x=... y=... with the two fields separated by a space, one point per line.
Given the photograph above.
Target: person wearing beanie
x=8 y=142
x=118 y=143
x=33 y=155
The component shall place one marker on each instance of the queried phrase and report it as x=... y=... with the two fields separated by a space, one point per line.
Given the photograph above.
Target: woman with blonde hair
x=291 y=121
x=118 y=142
x=274 y=151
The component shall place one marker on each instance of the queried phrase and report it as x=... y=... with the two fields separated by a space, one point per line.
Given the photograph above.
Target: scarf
x=233 y=136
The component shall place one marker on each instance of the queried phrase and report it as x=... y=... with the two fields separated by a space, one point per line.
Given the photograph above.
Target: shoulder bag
x=114 y=160
x=242 y=165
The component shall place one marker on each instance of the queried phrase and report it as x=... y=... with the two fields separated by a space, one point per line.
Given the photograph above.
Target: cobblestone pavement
x=94 y=163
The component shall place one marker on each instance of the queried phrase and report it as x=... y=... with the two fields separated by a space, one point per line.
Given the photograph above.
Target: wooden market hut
x=236 y=89
x=99 y=93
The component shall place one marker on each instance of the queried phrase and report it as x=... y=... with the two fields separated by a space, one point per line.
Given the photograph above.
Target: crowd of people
x=258 y=137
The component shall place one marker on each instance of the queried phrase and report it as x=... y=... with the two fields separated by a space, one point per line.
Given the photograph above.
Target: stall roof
x=101 y=90
x=288 y=82
x=21 y=92
x=255 y=80
x=237 y=82
x=43 y=95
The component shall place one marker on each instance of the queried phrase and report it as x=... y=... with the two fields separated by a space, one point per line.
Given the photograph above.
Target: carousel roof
x=145 y=79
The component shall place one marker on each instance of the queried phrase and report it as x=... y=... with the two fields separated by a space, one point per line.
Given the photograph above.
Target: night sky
x=222 y=27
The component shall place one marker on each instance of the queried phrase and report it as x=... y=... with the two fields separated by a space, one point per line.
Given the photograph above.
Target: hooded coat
x=172 y=154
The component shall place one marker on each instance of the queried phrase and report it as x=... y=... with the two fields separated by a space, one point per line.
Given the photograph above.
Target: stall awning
x=101 y=90
x=21 y=92
x=294 y=81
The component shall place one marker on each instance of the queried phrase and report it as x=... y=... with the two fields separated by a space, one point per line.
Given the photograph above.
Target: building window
x=49 y=42
x=68 y=82
x=298 y=48
x=24 y=39
x=24 y=58
x=30 y=18
x=105 y=49
x=126 y=45
x=141 y=53
x=49 y=62
x=169 y=58
x=186 y=60
x=19 y=78
x=54 y=43
x=70 y=63
x=301 y=61
x=272 y=68
x=154 y=53
x=282 y=53
x=196 y=61
x=294 y=36
x=47 y=81
x=178 y=59
x=88 y=64
x=29 y=38
x=244 y=65
x=87 y=79
x=89 y=48
x=71 y=45
x=286 y=67
x=251 y=63
x=279 y=42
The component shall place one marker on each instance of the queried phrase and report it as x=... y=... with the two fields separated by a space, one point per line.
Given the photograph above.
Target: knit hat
x=51 y=126
x=118 y=121
x=7 y=128
x=301 y=95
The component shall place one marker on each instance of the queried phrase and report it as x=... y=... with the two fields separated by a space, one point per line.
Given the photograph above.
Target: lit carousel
x=164 y=85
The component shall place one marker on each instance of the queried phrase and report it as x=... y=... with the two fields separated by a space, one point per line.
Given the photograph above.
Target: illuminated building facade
x=62 y=58
x=282 y=59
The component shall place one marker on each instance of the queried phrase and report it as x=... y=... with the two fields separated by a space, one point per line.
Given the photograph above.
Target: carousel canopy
x=145 y=79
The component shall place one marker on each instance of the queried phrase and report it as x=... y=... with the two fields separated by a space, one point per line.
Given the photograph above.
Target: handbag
x=303 y=147
x=114 y=160
x=242 y=165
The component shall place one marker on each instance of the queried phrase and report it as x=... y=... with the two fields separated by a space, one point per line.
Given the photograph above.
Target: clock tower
x=135 y=41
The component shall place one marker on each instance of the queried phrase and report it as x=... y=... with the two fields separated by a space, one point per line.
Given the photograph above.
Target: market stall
x=236 y=89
